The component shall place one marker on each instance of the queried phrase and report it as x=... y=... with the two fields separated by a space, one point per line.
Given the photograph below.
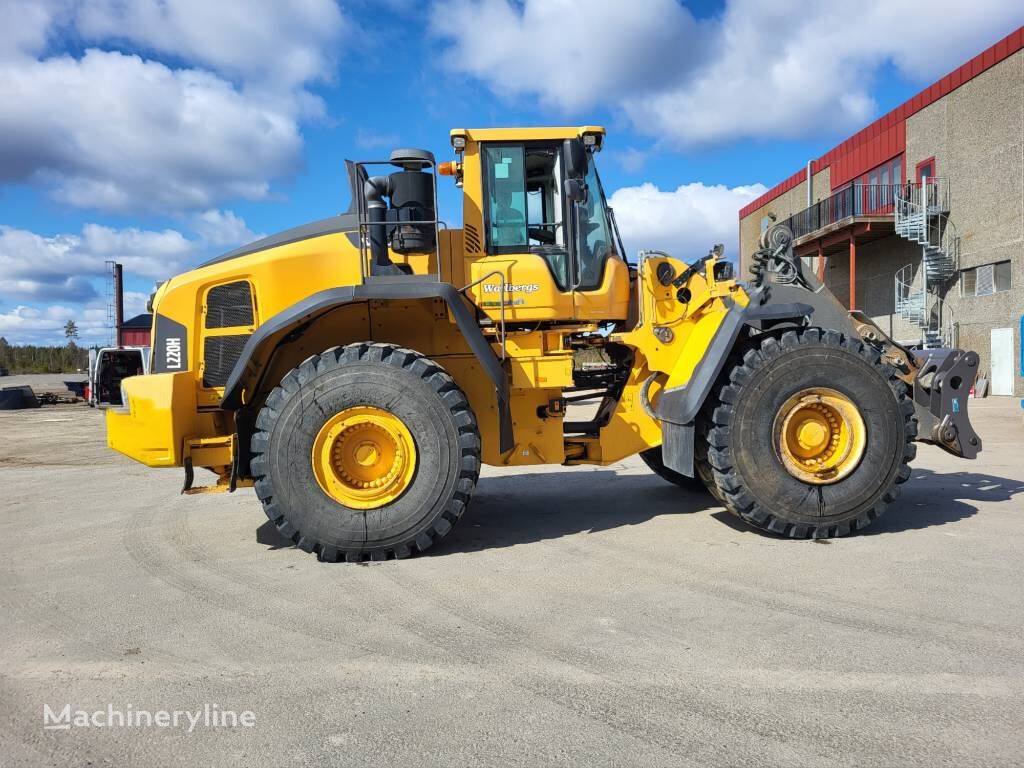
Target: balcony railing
x=863 y=200
x=854 y=200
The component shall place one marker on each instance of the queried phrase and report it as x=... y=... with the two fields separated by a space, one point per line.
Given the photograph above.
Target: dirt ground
x=575 y=616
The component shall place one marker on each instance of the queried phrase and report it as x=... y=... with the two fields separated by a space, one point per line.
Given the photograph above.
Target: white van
x=107 y=367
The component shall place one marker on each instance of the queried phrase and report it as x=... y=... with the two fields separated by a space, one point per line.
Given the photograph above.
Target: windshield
x=598 y=239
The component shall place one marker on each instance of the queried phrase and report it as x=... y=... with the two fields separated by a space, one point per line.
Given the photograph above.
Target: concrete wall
x=782 y=207
x=976 y=135
x=877 y=264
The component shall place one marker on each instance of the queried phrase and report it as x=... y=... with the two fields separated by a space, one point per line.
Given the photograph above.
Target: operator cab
x=547 y=229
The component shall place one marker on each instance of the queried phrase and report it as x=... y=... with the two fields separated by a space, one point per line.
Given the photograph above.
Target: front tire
x=812 y=435
x=367 y=451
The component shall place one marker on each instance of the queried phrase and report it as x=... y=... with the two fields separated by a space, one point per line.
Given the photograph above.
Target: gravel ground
x=576 y=616
x=43 y=382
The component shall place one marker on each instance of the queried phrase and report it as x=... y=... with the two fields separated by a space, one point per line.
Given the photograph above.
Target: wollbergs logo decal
x=510 y=289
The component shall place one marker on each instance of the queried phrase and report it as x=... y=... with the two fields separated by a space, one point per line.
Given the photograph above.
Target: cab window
x=506 y=199
x=524 y=208
x=596 y=243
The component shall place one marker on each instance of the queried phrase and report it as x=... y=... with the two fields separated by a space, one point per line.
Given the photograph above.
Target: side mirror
x=576 y=158
x=575 y=191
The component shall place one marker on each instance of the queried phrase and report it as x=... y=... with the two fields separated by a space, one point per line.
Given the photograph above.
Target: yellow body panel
x=169 y=416
x=159 y=415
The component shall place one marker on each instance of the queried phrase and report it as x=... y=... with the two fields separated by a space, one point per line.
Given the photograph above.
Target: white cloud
x=65 y=267
x=763 y=69
x=114 y=131
x=685 y=222
x=272 y=43
x=572 y=53
x=223 y=228
x=45 y=325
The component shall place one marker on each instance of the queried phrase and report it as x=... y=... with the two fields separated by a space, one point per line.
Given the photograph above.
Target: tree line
x=30 y=358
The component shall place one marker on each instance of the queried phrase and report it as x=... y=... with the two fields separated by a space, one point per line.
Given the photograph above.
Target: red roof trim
x=987 y=59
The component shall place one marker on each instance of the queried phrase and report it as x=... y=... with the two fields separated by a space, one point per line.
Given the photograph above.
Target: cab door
x=558 y=257
x=601 y=287
x=525 y=244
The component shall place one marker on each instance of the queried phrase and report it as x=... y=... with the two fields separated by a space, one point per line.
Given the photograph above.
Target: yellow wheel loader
x=358 y=370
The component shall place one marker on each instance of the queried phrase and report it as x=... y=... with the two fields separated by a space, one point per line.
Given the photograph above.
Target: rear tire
x=743 y=439
x=404 y=385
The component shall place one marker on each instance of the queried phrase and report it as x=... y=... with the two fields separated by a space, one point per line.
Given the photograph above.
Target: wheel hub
x=364 y=457
x=820 y=435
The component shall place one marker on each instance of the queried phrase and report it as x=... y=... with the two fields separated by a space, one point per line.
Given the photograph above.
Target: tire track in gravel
x=450 y=644
x=607 y=702
x=149 y=550
x=622 y=707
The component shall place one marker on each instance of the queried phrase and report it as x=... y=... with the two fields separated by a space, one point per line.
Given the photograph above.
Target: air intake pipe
x=406 y=225
x=375 y=189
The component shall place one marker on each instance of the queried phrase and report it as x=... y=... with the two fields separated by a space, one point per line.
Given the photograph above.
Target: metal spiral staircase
x=922 y=217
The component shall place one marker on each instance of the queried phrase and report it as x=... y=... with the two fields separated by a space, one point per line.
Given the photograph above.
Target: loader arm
x=784 y=294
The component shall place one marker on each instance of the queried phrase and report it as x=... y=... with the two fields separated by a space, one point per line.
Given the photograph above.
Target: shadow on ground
x=936 y=498
x=527 y=508
x=522 y=509
x=928 y=499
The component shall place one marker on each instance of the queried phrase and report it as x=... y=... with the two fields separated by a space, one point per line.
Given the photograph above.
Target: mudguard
x=678 y=407
x=398 y=287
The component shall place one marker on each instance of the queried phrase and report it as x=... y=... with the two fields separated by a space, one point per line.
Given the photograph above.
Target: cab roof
x=526 y=134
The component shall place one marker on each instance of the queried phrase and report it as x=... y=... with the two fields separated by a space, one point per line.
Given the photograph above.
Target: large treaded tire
x=751 y=478
x=401 y=381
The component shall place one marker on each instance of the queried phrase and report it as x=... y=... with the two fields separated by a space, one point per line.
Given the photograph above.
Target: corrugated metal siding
x=132 y=338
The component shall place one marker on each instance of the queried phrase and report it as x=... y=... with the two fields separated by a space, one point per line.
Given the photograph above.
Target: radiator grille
x=472 y=238
x=229 y=305
x=220 y=353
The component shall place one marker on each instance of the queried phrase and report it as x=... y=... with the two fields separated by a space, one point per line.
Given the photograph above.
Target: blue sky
x=162 y=132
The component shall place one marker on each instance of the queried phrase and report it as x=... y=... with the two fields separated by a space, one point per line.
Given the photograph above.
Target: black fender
x=309 y=309
x=678 y=407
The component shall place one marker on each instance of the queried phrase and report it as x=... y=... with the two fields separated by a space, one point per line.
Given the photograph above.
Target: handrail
x=501 y=308
x=858 y=199
x=920 y=216
x=853 y=200
x=924 y=308
x=364 y=224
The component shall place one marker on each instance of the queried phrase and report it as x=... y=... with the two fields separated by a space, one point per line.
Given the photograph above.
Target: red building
x=135 y=332
x=916 y=219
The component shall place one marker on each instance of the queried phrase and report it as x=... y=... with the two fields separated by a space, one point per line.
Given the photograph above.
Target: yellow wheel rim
x=820 y=435
x=364 y=457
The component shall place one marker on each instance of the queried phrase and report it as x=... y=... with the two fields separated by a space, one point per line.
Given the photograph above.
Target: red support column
x=853 y=273
x=821 y=264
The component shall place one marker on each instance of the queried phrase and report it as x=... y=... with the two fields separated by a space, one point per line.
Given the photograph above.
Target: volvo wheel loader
x=359 y=370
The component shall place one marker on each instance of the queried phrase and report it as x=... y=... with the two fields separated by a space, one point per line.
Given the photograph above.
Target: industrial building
x=135 y=332
x=918 y=219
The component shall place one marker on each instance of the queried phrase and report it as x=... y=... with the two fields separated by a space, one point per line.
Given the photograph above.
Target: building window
x=986 y=279
x=879 y=187
x=926 y=170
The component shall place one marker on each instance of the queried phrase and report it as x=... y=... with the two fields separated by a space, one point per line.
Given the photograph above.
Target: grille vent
x=472 y=238
x=229 y=305
x=220 y=353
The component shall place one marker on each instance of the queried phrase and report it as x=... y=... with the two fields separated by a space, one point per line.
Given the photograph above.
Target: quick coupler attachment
x=941 y=393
